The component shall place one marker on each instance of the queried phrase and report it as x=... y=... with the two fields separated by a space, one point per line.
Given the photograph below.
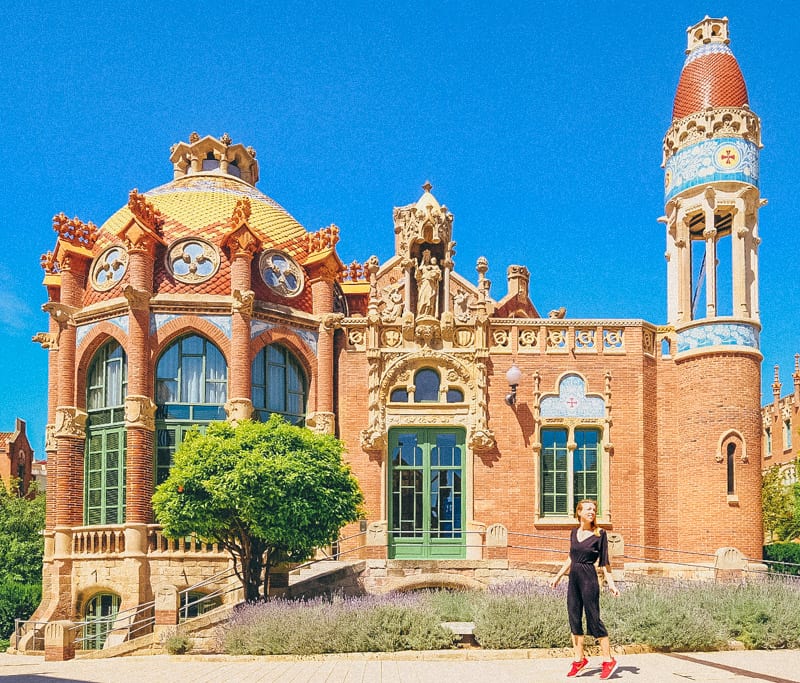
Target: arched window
x=426 y=383
x=191 y=390
x=731 y=469
x=104 y=460
x=101 y=610
x=278 y=385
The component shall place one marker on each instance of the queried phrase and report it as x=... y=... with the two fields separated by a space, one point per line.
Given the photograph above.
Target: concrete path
x=462 y=666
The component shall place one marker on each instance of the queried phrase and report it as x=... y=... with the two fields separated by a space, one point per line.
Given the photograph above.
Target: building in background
x=782 y=426
x=472 y=422
x=16 y=458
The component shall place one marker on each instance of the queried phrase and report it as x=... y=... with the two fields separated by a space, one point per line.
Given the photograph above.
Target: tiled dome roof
x=710 y=78
x=200 y=205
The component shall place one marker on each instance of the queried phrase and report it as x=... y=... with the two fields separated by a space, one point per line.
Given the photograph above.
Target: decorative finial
x=225 y=139
x=427 y=186
x=194 y=136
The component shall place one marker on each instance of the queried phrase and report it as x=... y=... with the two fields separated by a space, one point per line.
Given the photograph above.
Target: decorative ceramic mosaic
x=221 y=322
x=711 y=160
x=309 y=337
x=83 y=330
x=572 y=401
x=707 y=49
x=718 y=334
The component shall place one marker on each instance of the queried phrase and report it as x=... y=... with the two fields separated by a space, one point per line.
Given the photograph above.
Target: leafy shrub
x=780 y=553
x=178 y=644
x=17 y=601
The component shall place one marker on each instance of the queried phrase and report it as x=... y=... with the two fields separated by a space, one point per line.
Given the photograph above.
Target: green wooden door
x=426 y=506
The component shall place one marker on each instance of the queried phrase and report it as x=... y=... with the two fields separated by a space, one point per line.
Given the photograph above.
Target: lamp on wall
x=513 y=377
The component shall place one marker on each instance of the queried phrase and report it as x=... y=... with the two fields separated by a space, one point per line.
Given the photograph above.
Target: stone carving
x=391 y=337
x=501 y=338
x=556 y=339
x=393 y=304
x=321 y=422
x=448 y=326
x=377 y=533
x=281 y=273
x=426 y=333
x=60 y=313
x=192 y=260
x=648 y=342
x=422 y=222
x=140 y=411
x=729 y=558
x=496 y=536
x=528 y=339
x=584 y=340
x=138 y=299
x=243 y=301
x=716 y=122
x=616 y=544
x=109 y=268
x=464 y=336
x=48 y=340
x=427 y=274
x=225 y=139
x=323 y=239
x=558 y=313
x=50 y=444
x=331 y=321
x=356 y=338
x=481 y=438
x=238 y=410
x=70 y=423
x=461 y=301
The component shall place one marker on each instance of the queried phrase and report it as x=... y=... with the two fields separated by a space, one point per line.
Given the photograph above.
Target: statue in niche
x=427 y=275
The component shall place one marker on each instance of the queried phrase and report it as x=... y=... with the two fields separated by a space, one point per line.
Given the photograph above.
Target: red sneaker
x=577 y=667
x=608 y=669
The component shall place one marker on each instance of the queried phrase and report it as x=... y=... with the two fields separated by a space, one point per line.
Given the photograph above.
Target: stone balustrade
x=98 y=540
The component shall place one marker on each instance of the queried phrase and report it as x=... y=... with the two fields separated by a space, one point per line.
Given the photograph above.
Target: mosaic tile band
x=709 y=161
x=718 y=334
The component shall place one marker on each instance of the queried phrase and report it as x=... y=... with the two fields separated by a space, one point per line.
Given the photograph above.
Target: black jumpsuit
x=583 y=591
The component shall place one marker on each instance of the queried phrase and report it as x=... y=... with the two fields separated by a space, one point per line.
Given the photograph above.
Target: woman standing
x=588 y=543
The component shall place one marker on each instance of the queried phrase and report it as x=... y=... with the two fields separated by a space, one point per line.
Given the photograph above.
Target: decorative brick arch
x=292 y=341
x=187 y=324
x=731 y=436
x=94 y=340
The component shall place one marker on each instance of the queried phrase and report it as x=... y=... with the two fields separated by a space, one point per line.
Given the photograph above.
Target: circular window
x=192 y=260
x=109 y=268
x=281 y=273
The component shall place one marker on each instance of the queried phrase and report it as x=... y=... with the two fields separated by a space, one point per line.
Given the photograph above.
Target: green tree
x=21 y=540
x=780 y=504
x=21 y=551
x=266 y=492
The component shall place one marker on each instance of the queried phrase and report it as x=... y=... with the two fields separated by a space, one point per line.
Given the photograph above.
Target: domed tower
x=711 y=153
x=198 y=300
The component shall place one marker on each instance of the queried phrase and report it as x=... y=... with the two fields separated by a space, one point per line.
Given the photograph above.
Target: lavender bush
x=522 y=614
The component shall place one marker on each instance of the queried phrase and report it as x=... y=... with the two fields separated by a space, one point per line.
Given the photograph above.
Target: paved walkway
x=782 y=666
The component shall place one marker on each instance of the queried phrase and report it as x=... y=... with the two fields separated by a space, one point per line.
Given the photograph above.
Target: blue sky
x=539 y=125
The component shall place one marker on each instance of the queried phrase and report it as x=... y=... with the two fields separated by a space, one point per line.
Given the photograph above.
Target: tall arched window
x=191 y=390
x=99 y=616
x=104 y=462
x=278 y=385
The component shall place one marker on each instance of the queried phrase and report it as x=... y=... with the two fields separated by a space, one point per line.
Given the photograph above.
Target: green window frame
x=279 y=385
x=191 y=391
x=569 y=477
x=105 y=455
x=427 y=506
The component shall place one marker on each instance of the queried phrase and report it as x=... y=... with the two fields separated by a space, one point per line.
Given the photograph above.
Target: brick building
x=782 y=426
x=16 y=457
x=469 y=419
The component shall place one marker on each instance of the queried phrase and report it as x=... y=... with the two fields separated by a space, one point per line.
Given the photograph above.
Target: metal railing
x=23 y=626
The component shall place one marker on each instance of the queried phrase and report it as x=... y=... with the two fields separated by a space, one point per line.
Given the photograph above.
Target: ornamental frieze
x=321 y=422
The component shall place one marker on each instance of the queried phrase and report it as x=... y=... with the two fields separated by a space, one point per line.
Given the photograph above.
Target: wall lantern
x=513 y=377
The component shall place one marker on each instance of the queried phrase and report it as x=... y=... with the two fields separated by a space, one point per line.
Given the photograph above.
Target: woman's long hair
x=595 y=528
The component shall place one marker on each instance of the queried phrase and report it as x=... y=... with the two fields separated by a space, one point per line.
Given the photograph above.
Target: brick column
x=242 y=245
x=139 y=406
x=70 y=421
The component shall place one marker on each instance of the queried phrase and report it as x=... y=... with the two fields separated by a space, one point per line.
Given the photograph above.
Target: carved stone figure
x=394 y=304
x=461 y=306
x=427 y=275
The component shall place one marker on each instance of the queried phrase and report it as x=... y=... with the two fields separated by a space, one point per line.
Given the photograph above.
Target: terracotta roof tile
x=711 y=77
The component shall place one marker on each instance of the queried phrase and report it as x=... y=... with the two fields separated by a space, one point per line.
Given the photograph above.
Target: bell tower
x=712 y=201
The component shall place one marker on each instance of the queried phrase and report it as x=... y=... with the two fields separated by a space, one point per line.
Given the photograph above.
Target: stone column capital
x=140 y=412
x=70 y=423
x=238 y=409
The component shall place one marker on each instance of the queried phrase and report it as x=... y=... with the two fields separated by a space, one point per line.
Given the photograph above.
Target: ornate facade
x=472 y=422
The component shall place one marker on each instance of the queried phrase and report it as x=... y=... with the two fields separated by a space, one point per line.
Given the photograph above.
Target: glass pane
x=192 y=345
x=257 y=395
x=399 y=396
x=257 y=372
x=191 y=379
x=276 y=388
x=455 y=396
x=168 y=364
x=216 y=368
x=426 y=382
